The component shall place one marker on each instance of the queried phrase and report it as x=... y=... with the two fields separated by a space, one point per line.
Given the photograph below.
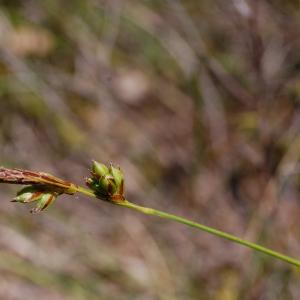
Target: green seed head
x=106 y=182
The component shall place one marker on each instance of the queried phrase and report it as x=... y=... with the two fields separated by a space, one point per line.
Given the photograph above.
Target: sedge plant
x=106 y=183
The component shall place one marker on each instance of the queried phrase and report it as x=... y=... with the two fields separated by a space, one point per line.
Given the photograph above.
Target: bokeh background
x=197 y=101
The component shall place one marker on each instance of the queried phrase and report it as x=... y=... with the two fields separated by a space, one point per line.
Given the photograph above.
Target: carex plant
x=105 y=183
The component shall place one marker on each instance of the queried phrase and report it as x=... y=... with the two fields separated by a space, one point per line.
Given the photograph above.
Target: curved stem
x=216 y=232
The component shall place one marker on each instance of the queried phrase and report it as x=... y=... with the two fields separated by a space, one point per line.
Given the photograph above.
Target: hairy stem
x=216 y=232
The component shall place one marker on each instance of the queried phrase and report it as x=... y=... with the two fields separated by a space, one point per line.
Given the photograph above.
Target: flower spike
x=106 y=182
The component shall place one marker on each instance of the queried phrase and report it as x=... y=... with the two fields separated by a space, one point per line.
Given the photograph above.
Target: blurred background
x=197 y=101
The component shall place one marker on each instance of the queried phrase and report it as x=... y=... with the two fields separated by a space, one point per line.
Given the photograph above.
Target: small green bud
x=23 y=198
x=107 y=184
x=28 y=194
x=99 y=169
x=44 y=201
x=42 y=195
x=117 y=175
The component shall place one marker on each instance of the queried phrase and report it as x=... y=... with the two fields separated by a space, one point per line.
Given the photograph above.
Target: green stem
x=216 y=232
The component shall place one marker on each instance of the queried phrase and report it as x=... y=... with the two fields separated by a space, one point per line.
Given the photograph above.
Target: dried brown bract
x=25 y=177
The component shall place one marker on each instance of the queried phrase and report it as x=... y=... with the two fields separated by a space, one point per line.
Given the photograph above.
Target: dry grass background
x=197 y=101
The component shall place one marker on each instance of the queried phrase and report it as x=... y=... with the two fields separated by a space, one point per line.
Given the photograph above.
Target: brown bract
x=19 y=176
